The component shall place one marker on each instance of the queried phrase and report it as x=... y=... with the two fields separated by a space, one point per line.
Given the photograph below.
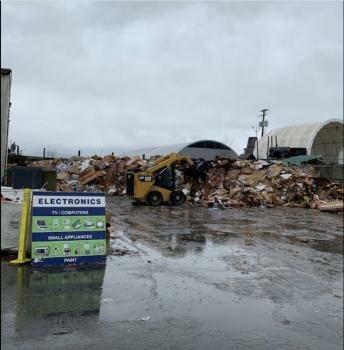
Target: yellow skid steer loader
x=156 y=183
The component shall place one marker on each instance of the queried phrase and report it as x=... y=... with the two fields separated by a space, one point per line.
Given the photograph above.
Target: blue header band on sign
x=67 y=236
x=77 y=260
x=52 y=211
x=85 y=194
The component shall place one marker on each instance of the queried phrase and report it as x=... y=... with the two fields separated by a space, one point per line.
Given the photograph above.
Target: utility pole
x=255 y=129
x=263 y=123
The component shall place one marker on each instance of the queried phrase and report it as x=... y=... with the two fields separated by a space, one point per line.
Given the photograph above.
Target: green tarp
x=298 y=160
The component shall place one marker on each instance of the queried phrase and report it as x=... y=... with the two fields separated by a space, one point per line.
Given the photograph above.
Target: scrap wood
x=90 y=176
x=254 y=178
x=333 y=206
x=226 y=182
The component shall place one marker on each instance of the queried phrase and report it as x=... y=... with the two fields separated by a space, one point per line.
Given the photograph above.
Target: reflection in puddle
x=179 y=230
x=189 y=278
x=56 y=300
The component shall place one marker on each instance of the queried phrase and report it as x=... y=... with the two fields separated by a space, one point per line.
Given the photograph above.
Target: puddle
x=189 y=278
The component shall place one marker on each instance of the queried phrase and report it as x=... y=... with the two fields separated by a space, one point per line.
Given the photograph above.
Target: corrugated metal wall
x=207 y=153
x=5 y=104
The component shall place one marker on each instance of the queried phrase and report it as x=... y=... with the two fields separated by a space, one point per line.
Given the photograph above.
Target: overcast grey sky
x=109 y=76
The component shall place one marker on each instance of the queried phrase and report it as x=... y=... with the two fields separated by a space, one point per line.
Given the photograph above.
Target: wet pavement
x=189 y=278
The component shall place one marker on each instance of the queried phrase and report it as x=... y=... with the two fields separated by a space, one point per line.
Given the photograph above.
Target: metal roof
x=163 y=150
x=153 y=151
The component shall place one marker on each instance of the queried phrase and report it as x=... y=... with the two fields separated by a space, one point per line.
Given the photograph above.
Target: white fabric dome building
x=324 y=139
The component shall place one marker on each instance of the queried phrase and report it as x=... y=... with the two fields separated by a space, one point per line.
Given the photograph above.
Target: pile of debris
x=222 y=183
x=241 y=183
x=96 y=174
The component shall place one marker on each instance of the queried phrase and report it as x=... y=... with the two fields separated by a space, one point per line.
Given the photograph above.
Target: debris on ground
x=145 y=318
x=119 y=252
x=334 y=206
x=222 y=183
x=242 y=183
x=8 y=194
x=96 y=174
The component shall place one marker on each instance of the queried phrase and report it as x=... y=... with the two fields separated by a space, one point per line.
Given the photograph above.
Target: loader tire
x=154 y=198
x=178 y=197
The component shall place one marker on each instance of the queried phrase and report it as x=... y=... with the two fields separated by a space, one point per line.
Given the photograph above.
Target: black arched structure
x=205 y=149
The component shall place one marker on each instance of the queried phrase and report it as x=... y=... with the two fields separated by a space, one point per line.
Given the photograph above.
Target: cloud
x=110 y=76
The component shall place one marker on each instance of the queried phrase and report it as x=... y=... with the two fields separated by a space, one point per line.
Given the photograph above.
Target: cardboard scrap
x=220 y=183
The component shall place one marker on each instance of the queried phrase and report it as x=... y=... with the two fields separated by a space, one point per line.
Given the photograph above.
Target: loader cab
x=166 y=178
